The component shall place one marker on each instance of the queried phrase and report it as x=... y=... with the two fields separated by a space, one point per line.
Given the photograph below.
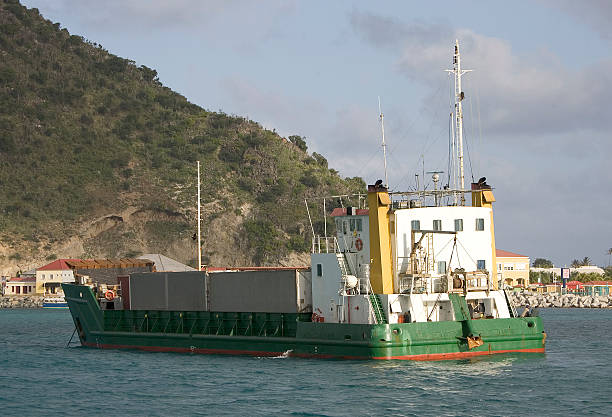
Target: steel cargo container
x=174 y=291
x=271 y=291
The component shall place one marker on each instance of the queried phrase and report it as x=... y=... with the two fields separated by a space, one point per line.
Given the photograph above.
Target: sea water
x=39 y=375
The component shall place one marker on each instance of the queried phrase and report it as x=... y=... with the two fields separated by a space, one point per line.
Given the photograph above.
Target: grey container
x=174 y=291
x=281 y=291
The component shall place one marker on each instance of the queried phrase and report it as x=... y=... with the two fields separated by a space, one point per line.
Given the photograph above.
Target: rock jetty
x=25 y=301
x=561 y=301
x=518 y=299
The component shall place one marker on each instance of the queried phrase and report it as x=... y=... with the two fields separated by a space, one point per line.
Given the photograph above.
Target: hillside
x=99 y=160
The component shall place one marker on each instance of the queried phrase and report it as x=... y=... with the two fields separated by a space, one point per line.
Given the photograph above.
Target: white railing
x=325 y=244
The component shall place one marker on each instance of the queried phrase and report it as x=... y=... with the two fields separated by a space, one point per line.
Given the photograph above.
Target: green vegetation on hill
x=86 y=134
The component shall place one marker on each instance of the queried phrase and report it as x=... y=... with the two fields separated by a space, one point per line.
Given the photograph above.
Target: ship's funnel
x=381 y=272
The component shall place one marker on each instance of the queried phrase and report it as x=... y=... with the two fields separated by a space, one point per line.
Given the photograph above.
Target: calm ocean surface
x=40 y=376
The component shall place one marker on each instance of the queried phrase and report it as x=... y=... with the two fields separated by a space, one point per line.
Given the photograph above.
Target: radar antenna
x=435 y=178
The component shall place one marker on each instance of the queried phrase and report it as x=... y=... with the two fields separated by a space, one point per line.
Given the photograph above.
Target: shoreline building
x=513 y=268
x=20 y=286
x=50 y=277
x=106 y=271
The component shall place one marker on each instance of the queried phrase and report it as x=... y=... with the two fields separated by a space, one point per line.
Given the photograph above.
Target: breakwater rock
x=24 y=301
x=561 y=300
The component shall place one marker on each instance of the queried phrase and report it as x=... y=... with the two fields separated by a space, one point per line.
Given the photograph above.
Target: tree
x=148 y=74
x=542 y=263
x=543 y=277
x=320 y=159
x=298 y=141
x=586 y=261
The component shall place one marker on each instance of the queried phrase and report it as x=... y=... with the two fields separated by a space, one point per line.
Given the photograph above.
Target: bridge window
x=359 y=225
x=415 y=225
x=352 y=224
x=458 y=225
x=481 y=265
x=479 y=225
x=319 y=270
x=437 y=224
x=442 y=267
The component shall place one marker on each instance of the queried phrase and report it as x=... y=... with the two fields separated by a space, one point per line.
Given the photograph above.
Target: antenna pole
x=423 y=156
x=199 y=221
x=458 y=72
x=325 y=220
x=384 y=145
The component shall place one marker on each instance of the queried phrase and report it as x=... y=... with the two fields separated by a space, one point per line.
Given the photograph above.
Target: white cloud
x=518 y=94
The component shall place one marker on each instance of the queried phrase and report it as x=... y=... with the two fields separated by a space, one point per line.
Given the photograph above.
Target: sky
x=535 y=109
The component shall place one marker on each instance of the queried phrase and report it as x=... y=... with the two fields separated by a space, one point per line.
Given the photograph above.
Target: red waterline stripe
x=456 y=355
x=423 y=357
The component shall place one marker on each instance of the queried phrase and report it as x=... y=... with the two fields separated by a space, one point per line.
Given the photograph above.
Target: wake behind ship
x=412 y=276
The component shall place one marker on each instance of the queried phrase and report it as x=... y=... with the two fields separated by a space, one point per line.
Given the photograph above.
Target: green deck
x=271 y=334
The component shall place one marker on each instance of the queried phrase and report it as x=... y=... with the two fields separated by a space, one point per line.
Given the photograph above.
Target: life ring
x=359 y=244
x=109 y=295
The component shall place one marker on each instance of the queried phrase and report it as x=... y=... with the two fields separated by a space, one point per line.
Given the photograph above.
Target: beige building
x=49 y=278
x=512 y=268
x=20 y=286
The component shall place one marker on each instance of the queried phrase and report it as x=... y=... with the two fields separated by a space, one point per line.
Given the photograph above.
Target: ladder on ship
x=510 y=304
x=345 y=268
x=376 y=305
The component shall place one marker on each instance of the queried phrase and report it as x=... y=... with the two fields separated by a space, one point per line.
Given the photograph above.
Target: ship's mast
x=384 y=145
x=199 y=222
x=458 y=119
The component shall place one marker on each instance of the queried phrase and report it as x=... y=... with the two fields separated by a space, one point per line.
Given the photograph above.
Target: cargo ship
x=411 y=276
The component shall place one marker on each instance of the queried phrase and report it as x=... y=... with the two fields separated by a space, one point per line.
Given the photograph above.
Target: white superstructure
x=408 y=256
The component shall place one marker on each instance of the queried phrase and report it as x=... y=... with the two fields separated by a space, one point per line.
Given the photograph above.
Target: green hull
x=275 y=334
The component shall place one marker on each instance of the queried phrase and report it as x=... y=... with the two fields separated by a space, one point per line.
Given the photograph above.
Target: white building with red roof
x=49 y=278
x=20 y=286
x=513 y=268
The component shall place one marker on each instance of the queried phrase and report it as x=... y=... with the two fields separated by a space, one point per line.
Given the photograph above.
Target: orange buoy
x=109 y=295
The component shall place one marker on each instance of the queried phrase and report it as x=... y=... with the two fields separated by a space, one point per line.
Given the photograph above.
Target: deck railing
x=325 y=244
